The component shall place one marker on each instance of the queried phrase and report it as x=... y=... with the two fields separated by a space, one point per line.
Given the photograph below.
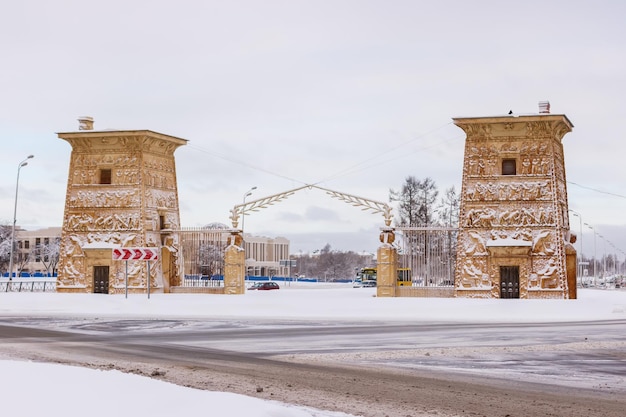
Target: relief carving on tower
x=160 y=198
x=100 y=222
x=474 y=274
x=509 y=191
x=507 y=216
x=104 y=198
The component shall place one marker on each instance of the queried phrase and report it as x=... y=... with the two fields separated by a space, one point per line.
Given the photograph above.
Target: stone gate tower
x=121 y=192
x=514 y=239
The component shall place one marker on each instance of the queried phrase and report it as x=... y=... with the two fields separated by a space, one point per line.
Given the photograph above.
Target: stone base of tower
x=73 y=290
x=508 y=269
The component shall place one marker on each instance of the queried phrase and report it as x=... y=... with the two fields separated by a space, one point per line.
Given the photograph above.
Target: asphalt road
x=378 y=369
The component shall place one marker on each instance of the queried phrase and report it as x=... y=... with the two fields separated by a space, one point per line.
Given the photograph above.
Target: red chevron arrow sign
x=135 y=254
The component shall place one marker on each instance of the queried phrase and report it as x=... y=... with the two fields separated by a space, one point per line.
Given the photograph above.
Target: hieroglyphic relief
x=547 y=275
x=89 y=222
x=159 y=198
x=113 y=158
x=136 y=274
x=159 y=164
x=475 y=274
x=483 y=161
x=507 y=191
x=514 y=218
x=72 y=245
x=488 y=217
x=104 y=198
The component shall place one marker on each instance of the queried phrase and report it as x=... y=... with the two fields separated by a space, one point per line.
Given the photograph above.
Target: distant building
x=203 y=252
x=264 y=256
x=37 y=251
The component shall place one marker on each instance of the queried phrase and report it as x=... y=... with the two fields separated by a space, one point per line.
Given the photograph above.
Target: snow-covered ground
x=36 y=389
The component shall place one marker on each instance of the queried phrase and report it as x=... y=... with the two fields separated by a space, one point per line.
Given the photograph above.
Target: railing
x=429 y=253
x=28 y=285
x=202 y=281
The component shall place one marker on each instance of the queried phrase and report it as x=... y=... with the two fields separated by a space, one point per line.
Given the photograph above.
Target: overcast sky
x=351 y=95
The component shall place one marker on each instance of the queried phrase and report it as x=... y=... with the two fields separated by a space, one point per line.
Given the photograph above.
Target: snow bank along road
x=376 y=369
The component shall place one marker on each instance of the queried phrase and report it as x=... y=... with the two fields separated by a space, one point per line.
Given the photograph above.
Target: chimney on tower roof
x=544 y=107
x=85 y=123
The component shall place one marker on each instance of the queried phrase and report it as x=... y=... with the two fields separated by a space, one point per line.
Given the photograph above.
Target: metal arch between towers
x=362 y=202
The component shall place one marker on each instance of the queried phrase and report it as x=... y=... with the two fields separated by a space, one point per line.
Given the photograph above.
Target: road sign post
x=135 y=254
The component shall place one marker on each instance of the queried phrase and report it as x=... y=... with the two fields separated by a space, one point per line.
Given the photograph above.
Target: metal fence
x=429 y=253
x=203 y=281
x=203 y=254
x=28 y=285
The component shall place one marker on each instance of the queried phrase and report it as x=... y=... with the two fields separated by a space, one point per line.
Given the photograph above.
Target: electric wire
x=596 y=190
x=365 y=164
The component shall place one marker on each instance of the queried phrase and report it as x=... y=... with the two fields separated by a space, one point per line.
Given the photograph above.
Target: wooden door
x=509 y=282
x=101 y=279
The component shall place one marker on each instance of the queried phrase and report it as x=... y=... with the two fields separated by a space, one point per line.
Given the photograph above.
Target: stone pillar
x=387 y=265
x=572 y=268
x=234 y=265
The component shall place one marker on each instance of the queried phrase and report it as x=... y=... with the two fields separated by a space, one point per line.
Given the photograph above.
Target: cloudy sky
x=350 y=95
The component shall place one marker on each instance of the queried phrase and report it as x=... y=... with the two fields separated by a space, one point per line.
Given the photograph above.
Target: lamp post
x=243 y=217
x=603 y=257
x=17 y=184
x=243 y=208
x=594 y=253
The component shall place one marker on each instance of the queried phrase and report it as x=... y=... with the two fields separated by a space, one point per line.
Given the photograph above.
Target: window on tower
x=105 y=176
x=509 y=167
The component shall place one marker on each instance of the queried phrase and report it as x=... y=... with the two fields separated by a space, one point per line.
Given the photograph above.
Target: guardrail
x=28 y=285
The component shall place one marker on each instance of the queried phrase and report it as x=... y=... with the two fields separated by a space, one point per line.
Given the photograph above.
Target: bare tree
x=210 y=259
x=5 y=246
x=416 y=208
x=23 y=259
x=408 y=201
x=332 y=265
x=448 y=209
x=48 y=254
x=416 y=200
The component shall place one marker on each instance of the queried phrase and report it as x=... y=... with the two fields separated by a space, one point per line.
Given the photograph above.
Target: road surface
x=373 y=370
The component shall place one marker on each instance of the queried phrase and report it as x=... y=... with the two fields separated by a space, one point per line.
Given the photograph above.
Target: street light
x=603 y=257
x=243 y=217
x=243 y=208
x=17 y=183
x=594 y=253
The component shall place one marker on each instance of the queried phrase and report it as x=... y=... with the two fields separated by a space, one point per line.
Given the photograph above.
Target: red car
x=271 y=285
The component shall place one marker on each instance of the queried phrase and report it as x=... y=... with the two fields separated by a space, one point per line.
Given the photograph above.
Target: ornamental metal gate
x=101 y=279
x=509 y=282
x=428 y=255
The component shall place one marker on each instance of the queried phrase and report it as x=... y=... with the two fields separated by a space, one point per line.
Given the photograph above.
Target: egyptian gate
x=121 y=192
x=514 y=239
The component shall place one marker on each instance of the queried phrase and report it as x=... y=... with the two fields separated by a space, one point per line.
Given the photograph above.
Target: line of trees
x=331 y=265
x=431 y=256
x=5 y=247
x=419 y=206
